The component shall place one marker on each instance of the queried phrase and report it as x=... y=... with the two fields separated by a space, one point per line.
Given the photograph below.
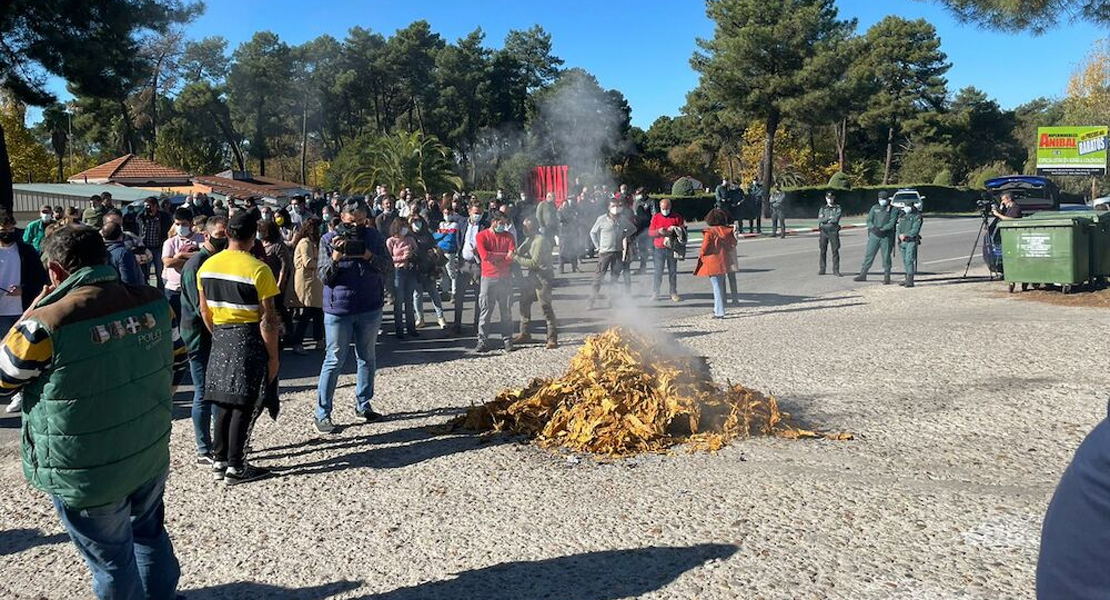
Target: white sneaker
x=16 y=404
x=442 y=323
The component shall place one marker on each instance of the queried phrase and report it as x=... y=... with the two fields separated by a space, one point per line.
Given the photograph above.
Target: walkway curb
x=795 y=231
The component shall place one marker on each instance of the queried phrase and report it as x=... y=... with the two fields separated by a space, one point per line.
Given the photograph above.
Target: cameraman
x=1007 y=210
x=352 y=264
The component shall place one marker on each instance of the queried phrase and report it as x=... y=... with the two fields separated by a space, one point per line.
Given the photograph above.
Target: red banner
x=542 y=180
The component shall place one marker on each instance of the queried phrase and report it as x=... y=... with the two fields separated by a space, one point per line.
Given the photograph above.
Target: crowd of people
x=115 y=304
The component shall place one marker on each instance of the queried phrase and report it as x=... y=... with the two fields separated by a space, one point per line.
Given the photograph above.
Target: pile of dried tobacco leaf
x=625 y=394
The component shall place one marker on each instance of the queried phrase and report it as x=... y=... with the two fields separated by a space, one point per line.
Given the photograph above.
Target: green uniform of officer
x=909 y=237
x=881 y=221
x=828 y=221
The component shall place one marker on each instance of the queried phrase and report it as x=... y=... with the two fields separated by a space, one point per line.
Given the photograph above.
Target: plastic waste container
x=1047 y=251
x=1100 y=237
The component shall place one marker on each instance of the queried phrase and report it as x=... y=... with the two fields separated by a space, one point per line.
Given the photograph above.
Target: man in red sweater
x=495 y=252
x=666 y=224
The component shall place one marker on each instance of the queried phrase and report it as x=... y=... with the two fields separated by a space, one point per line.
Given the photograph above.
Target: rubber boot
x=886 y=279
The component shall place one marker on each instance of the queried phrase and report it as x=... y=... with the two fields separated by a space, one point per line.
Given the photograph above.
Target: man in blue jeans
x=352 y=264
x=197 y=337
x=105 y=470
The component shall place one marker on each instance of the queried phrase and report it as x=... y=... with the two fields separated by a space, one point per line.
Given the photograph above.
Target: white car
x=903 y=198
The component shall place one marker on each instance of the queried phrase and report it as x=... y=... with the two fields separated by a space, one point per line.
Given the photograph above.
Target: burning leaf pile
x=626 y=394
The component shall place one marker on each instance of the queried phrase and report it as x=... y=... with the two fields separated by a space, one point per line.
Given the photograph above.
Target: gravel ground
x=964 y=424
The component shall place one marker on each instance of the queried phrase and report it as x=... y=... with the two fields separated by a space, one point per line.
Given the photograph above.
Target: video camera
x=347 y=240
x=986 y=206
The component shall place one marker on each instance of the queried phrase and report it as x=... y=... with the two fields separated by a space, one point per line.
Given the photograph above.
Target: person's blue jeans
x=664 y=258
x=426 y=285
x=718 y=283
x=126 y=545
x=404 y=282
x=202 y=411
x=341 y=331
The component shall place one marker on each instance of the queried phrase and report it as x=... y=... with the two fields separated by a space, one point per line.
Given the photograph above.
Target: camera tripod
x=983 y=226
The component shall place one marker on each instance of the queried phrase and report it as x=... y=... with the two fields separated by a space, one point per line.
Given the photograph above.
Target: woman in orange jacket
x=717 y=257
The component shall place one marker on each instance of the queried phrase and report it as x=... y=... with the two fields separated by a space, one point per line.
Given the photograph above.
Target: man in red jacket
x=666 y=224
x=495 y=252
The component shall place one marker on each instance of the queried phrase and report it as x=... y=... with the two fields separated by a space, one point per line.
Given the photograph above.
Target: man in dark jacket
x=197 y=337
x=352 y=262
x=154 y=224
x=120 y=256
x=470 y=273
x=104 y=469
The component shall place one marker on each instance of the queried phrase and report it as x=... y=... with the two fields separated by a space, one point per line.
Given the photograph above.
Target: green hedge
x=804 y=202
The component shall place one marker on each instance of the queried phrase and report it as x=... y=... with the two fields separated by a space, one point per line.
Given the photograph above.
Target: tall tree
x=462 y=85
x=1038 y=16
x=55 y=126
x=258 y=91
x=315 y=64
x=905 y=63
x=86 y=43
x=205 y=107
x=764 y=56
x=205 y=60
x=412 y=54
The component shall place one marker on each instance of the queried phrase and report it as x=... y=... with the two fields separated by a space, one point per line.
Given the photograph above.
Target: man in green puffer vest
x=95 y=360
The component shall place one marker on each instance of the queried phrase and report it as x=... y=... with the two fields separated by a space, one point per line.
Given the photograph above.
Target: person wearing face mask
x=608 y=235
x=570 y=234
x=535 y=256
x=666 y=225
x=881 y=221
x=446 y=237
x=197 y=337
x=176 y=251
x=430 y=261
x=155 y=226
x=402 y=248
x=22 y=277
x=95 y=439
x=547 y=218
x=909 y=238
x=495 y=248
x=641 y=216
x=778 y=212
x=36 y=230
x=828 y=221
x=470 y=272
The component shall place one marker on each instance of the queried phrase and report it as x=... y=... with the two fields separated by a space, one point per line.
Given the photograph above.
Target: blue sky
x=643 y=47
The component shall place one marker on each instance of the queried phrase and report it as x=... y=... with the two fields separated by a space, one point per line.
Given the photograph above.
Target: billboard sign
x=1076 y=151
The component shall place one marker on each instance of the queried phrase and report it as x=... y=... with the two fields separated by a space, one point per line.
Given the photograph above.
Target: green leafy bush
x=684 y=187
x=840 y=181
x=944 y=177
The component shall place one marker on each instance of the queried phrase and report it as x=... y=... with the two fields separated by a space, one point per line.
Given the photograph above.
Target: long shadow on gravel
x=386 y=450
x=14 y=541
x=251 y=590
x=606 y=575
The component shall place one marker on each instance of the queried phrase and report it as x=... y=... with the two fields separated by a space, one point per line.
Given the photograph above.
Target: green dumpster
x=1047 y=251
x=1100 y=237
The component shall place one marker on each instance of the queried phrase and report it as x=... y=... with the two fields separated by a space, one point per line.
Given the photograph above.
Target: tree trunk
x=229 y=136
x=304 y=140
x=260 y=141
x=889 y=154
x=61 y=170
x=128 y=128
x=767 y=170
x=812 y=150
x=154 y=109
x=7 y=195
x=840 y=131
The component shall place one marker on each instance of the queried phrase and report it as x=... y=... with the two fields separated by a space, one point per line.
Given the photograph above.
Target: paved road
x=774 y=272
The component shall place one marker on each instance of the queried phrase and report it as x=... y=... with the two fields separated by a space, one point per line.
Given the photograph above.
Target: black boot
x=860 y=277
x=886 y=279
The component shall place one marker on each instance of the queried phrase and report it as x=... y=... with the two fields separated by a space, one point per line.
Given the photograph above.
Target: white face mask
x=666 y=212
x=614 y=210
x=184 y=230
x=907 y=209
x=404 y=231
x=884 y=202
x=47 y=217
